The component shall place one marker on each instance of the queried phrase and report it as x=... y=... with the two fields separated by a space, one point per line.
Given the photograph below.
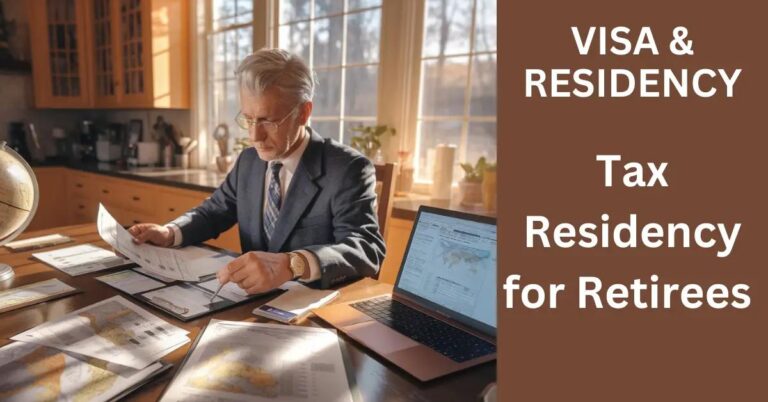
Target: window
x=340 y=40
x=230 y=39
x=437 y=89
x=457 y=97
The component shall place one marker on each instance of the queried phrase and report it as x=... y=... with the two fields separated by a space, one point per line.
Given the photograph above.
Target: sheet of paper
x=81 y=259
x=186 y=264
x=38 y=242
x=32 y=292
x=38 y=373
x=230 y=291
x=184 y=300
x=130 y=282
x=240 y=361
x=154 y=275
x=114 y=330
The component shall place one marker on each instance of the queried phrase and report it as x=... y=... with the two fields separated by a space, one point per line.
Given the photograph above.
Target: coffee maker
x=88 y=139
x=17 y=139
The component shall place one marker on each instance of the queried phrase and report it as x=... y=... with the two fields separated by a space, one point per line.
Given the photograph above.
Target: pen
x=217 y=292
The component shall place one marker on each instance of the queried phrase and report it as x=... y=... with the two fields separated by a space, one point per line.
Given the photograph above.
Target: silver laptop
x=441 y=316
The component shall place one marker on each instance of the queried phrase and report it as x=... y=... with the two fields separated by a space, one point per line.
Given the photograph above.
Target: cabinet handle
x=105 y=191
x=135 y=198
x=171 y=209
x=135 y=222
x=78 y=185
x=81 y=206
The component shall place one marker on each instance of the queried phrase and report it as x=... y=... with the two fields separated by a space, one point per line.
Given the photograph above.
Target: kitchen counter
x=191 y=179
x=205 y=180
x=407 y=207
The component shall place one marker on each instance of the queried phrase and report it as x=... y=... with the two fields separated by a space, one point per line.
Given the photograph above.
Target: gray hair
x=276 y=68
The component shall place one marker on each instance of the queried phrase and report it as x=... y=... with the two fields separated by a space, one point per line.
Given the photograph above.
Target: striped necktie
x=274 y=201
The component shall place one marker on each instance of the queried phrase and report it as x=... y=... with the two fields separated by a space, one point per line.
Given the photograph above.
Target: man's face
x=270 y=106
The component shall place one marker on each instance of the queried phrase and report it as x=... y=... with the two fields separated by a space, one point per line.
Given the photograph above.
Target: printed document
x=38 y=373
x=186 y=264
x=113 y=330
x=241 y=361
x=81 y=259
x=33 y=293
x=130 y=282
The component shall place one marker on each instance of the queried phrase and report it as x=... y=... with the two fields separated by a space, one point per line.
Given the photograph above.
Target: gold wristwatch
x=298 y=264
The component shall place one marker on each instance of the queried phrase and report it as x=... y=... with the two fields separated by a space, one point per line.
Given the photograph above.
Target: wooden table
x=375 y=379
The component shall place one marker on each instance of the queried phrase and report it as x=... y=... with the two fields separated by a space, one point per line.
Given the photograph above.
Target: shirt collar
x=292 y=161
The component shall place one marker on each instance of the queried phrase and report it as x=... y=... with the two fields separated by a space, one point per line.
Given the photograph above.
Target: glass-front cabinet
x=60 y=62
x=132 y=53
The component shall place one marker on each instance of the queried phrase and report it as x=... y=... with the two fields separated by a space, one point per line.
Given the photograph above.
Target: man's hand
x=152 y=233
x=257 y=271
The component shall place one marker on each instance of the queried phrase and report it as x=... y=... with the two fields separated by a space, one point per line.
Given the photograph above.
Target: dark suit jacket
x=329 y=210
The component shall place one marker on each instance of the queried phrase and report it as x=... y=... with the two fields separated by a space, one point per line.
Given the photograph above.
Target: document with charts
x=240 y=361
x=38 y=373
x=185 y=264
x=82 y=259
x=113 y=330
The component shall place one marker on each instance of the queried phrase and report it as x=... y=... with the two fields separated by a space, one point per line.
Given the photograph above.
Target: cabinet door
x=59 y=60
x=104 y=48
x=51 y=186
x=133 y=55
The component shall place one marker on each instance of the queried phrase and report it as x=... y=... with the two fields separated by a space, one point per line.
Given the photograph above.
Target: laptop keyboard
x=445 y=339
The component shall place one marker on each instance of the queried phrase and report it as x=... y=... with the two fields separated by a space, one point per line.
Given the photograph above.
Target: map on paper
x=240 y=361
x=186 y=264
x=39 y=291
x=81 y=259
x=114 y=330
x=34 y=373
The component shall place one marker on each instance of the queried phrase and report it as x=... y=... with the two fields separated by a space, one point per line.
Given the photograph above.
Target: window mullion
x=343 y=94
x=463 y=151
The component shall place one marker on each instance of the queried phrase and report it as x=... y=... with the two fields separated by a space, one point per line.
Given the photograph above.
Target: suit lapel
x=301 y=192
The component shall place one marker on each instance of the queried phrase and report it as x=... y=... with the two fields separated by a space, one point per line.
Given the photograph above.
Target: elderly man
x=304 y=204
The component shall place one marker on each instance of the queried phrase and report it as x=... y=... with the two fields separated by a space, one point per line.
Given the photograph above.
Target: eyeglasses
x=269 y=126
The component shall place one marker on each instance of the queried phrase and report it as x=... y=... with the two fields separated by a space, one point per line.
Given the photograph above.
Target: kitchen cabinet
x=51 y=187
x=58 y=38
x=70 y=197
x=134 y=53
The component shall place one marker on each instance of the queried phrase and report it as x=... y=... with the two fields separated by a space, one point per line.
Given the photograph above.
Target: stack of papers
x=240 y=361
x=187 y=264
x=33 y=293
x=98 y=353
x=38 y=373
x=82 y=259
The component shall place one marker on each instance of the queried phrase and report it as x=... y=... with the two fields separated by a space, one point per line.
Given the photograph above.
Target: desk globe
x=19 y=196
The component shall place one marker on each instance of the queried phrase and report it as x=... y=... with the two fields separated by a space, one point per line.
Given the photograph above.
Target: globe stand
x=6 y=272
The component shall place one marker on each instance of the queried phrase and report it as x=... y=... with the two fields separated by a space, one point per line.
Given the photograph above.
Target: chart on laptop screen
x=452 y=262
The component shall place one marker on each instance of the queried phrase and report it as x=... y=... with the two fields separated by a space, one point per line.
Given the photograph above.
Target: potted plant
x=470 y=186
x=489 y=187
x=368 y=140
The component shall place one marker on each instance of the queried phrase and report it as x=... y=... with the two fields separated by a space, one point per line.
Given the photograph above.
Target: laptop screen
x=451 y=264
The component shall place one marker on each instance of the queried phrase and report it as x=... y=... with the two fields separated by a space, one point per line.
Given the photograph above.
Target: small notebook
x=38 y=242
x=296 y=303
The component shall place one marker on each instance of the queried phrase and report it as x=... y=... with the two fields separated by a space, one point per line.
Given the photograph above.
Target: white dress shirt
x=290 y=163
